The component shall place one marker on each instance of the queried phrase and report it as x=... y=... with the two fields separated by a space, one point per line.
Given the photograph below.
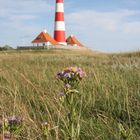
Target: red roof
x=44 y=37
x=71 y=40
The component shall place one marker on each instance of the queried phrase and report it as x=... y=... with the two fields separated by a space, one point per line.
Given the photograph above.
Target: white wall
x=41 y=44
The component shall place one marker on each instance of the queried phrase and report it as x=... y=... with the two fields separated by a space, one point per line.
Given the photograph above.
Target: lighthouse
x=45 y=40
x=59 y=31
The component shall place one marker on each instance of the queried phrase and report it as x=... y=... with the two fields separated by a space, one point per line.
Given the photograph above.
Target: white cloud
x=10 y=9
x=106 y=30
x=18 y=19
x=110 y=21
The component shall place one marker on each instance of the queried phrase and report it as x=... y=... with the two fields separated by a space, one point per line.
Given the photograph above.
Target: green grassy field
x=110 y=94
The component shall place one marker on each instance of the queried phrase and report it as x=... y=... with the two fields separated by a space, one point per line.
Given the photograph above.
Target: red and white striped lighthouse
x=59 y=33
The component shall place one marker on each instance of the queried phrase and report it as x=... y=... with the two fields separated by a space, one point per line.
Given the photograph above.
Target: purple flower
x=68 y=69
x=14 y=120
x=82 y=74
x=71 y=74
x=67 y=75
x=61 y=94
x=7 y=135
x=60 y=75
x=67 y=86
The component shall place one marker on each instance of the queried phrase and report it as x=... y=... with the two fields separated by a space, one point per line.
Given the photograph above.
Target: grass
x=110 y=95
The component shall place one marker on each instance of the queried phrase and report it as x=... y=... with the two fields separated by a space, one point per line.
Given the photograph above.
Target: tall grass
x=110 y=95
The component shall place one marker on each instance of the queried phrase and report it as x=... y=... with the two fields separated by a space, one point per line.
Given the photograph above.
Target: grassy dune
x=110 y=94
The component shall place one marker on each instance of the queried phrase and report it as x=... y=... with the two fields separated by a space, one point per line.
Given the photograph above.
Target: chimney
x=45 y=31
x=59 y=32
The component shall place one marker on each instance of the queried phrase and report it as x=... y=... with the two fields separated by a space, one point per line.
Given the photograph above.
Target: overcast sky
x=105 y=25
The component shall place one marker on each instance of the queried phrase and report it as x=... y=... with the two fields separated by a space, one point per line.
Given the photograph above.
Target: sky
x=103 y=25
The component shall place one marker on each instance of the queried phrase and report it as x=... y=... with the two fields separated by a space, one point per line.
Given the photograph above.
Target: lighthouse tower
x=59 y=32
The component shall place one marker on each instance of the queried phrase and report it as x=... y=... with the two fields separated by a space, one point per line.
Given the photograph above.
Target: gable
x=44 y=37
x=72 y=41
x=40 y=38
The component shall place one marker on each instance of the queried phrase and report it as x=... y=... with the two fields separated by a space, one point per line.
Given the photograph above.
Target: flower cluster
x=71 y=74
x=45 y=128
x=71 y=77
x=14 y=123
x=11 y=126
